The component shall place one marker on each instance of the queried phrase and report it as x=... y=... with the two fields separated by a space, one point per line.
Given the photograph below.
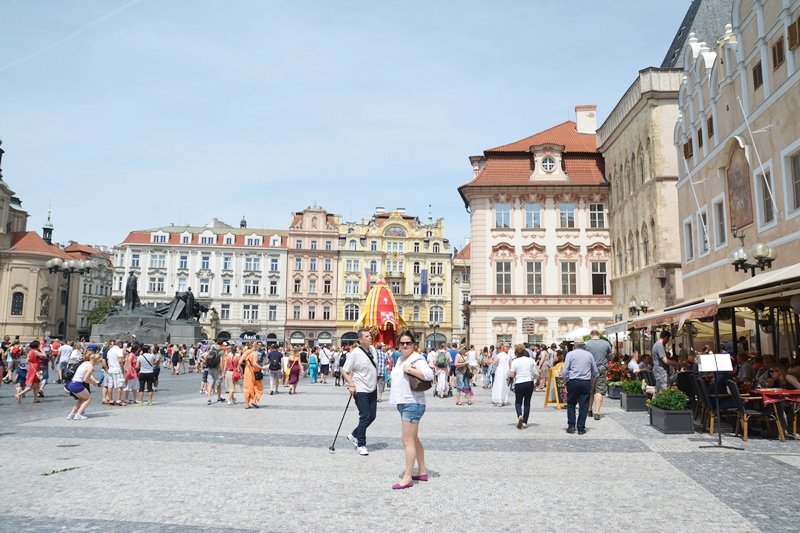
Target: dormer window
x=548 y=164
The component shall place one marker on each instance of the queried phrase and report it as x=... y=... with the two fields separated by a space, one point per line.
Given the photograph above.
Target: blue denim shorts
x=411 y=412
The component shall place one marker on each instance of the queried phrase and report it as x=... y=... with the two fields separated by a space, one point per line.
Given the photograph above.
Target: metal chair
x=745 y=414
x=710 y=408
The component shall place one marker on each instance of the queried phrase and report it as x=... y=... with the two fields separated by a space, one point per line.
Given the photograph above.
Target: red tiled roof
x=144 y=237
x=464 y=253
x=513 y=169
x=81 y=249
x=564 y=134
x=32 y=242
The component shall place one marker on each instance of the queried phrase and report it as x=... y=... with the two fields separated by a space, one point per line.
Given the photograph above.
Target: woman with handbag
x=463 y=382
x=294 y=369
x=411 y=376
x=33 y=378
x=524 y=371
x=253 y=378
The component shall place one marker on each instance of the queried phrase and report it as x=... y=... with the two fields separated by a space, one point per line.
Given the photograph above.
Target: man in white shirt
x=360 y=373
x=324 y=362
x=63 y=356
x=114 y=377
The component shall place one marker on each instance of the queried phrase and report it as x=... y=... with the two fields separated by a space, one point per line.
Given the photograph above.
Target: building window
x=720 y=225
x=465 y=298
x=465 y=276
x=159 y=239
x=207 y=240
x=417 y=288
x=699 y=137
x=599 y=277
x=326 y=286
x=296 y=312
x=250 y=312
x=437 y=289
x=758 y=76
x=710 y=127
x=352 y=265
x=502 y=216
x=503 y=277
x=313 y=244
x=373 y=267
x=352 y=245
x=252 y=264
x=326 y=312
x=186 y=239
x=273 y=264
x=793 y=182
x=778 y=54
x=227 y=262
x=155 y=284
x=298 y=263
x=436 y=248
x=351 y=287
x=416 y=313
x=297 y=283
x=597 y=216
x=205 y=261
x=533 y=277
x=272 y=313
x=229 y=240
x=416 y=247
x=764 y=199
x=688 y=239
x=205 y=286
x=533 y=215
x=134 y=260
x=351 y=312
x=567 y=215
x=312 y=286
x=569 y=277
x=702 y=231
x=183 y=262
x=436 y=268
x=298 y=244
x=329 y=245
x=225 y=312
x=17 y=303
x=436 y=314
x=395 y=286
x=312 y=312
x=794 y=34
x=688 y=149
x=416 y=267
x=251 y=286
x=548 y=164
x=273 y=288
x=373 y=246
x=226 y=286
x=158 y=261
x=312 y=264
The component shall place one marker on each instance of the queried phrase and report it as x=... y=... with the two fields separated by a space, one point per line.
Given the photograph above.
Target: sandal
x=459 y=403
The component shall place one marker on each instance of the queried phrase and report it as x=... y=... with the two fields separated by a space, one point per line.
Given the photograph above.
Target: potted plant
x=632 y=397
x=617 y=374
x=668 y=412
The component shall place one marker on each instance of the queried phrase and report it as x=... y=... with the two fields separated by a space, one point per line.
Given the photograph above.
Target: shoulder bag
x=416 y=384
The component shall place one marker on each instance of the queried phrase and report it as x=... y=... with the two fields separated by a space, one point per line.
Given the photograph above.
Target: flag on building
x=424 y=281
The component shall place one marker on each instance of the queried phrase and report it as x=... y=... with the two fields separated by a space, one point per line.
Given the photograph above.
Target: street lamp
x=637 y=308
x=762 y=256
x=434 y=325
x=68 y=268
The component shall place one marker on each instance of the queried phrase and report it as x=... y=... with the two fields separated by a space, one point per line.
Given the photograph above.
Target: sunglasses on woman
x=404 y=343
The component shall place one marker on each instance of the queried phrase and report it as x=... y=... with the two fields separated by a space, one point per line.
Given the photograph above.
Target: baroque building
x=414 y=259
x=738 y=145
x=461 y=295
x=539 y=246
x=313 y=249
x=239 y=272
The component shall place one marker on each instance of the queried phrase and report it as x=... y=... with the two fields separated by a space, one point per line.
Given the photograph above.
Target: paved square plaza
x=182 y=465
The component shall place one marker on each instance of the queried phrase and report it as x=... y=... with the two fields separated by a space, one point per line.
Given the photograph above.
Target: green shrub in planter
x=632 y=387
x=670 y=399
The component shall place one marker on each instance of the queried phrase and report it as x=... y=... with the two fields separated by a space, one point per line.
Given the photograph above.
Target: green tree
x=101 y=310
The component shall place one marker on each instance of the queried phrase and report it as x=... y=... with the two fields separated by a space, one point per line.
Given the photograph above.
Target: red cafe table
x=774 y=397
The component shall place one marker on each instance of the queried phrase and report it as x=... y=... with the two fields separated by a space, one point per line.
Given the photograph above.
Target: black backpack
x=212 y=360
x=342 y=359
x=69 y=372
x=274 y=364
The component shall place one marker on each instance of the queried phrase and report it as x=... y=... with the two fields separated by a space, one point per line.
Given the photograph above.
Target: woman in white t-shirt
x=77 y=385
x=524 y=371
x=411 y=405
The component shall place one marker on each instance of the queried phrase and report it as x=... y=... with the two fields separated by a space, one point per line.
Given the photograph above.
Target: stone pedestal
x=184 y=333
x=148 y=330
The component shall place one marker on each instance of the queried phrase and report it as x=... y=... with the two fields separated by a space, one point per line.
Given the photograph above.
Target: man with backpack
x=213 y=381
x=274 y=364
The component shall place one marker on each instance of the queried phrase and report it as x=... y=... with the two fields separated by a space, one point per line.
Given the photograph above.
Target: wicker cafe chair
x=709 y=407
x=745 y=414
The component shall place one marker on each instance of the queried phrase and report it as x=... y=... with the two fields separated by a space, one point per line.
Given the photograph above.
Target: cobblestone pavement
x=184 y=466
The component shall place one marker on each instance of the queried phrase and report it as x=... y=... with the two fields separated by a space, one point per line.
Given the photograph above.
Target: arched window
x=649 y=166
x=645 y=245
x=436 y=314
x=436 y=247
x=352 y=245
x=641 y=166
x=416 y=267
x=631 y=252
x=351 y=312
x=17 y=303
x=634 y=172
x=654 y=255
x=416 y=312
x=373 y=266
x=620 y=265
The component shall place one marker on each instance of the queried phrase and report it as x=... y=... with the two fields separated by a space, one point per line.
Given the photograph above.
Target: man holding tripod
x=360 y=373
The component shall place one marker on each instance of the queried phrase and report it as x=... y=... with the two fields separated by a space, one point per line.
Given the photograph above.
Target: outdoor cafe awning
x=678 y=315
x=770 y=288
x=619 y=327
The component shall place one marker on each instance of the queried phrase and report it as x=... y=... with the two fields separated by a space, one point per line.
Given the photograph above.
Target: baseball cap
x=92 y=347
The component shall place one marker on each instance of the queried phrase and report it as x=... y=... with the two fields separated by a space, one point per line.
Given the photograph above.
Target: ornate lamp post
x=67 y=268
x=760 y=256
x=637 y=308
x=434 y=325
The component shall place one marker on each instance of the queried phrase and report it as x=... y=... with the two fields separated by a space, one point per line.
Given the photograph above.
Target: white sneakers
x=352 y=440
x=79 y=417
x=362 y=450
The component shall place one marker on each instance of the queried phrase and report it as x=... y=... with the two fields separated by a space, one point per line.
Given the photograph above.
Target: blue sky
x=178 y=111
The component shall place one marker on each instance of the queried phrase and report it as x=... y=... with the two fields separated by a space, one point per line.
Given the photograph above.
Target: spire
x=243 y=222
x=47 y=229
